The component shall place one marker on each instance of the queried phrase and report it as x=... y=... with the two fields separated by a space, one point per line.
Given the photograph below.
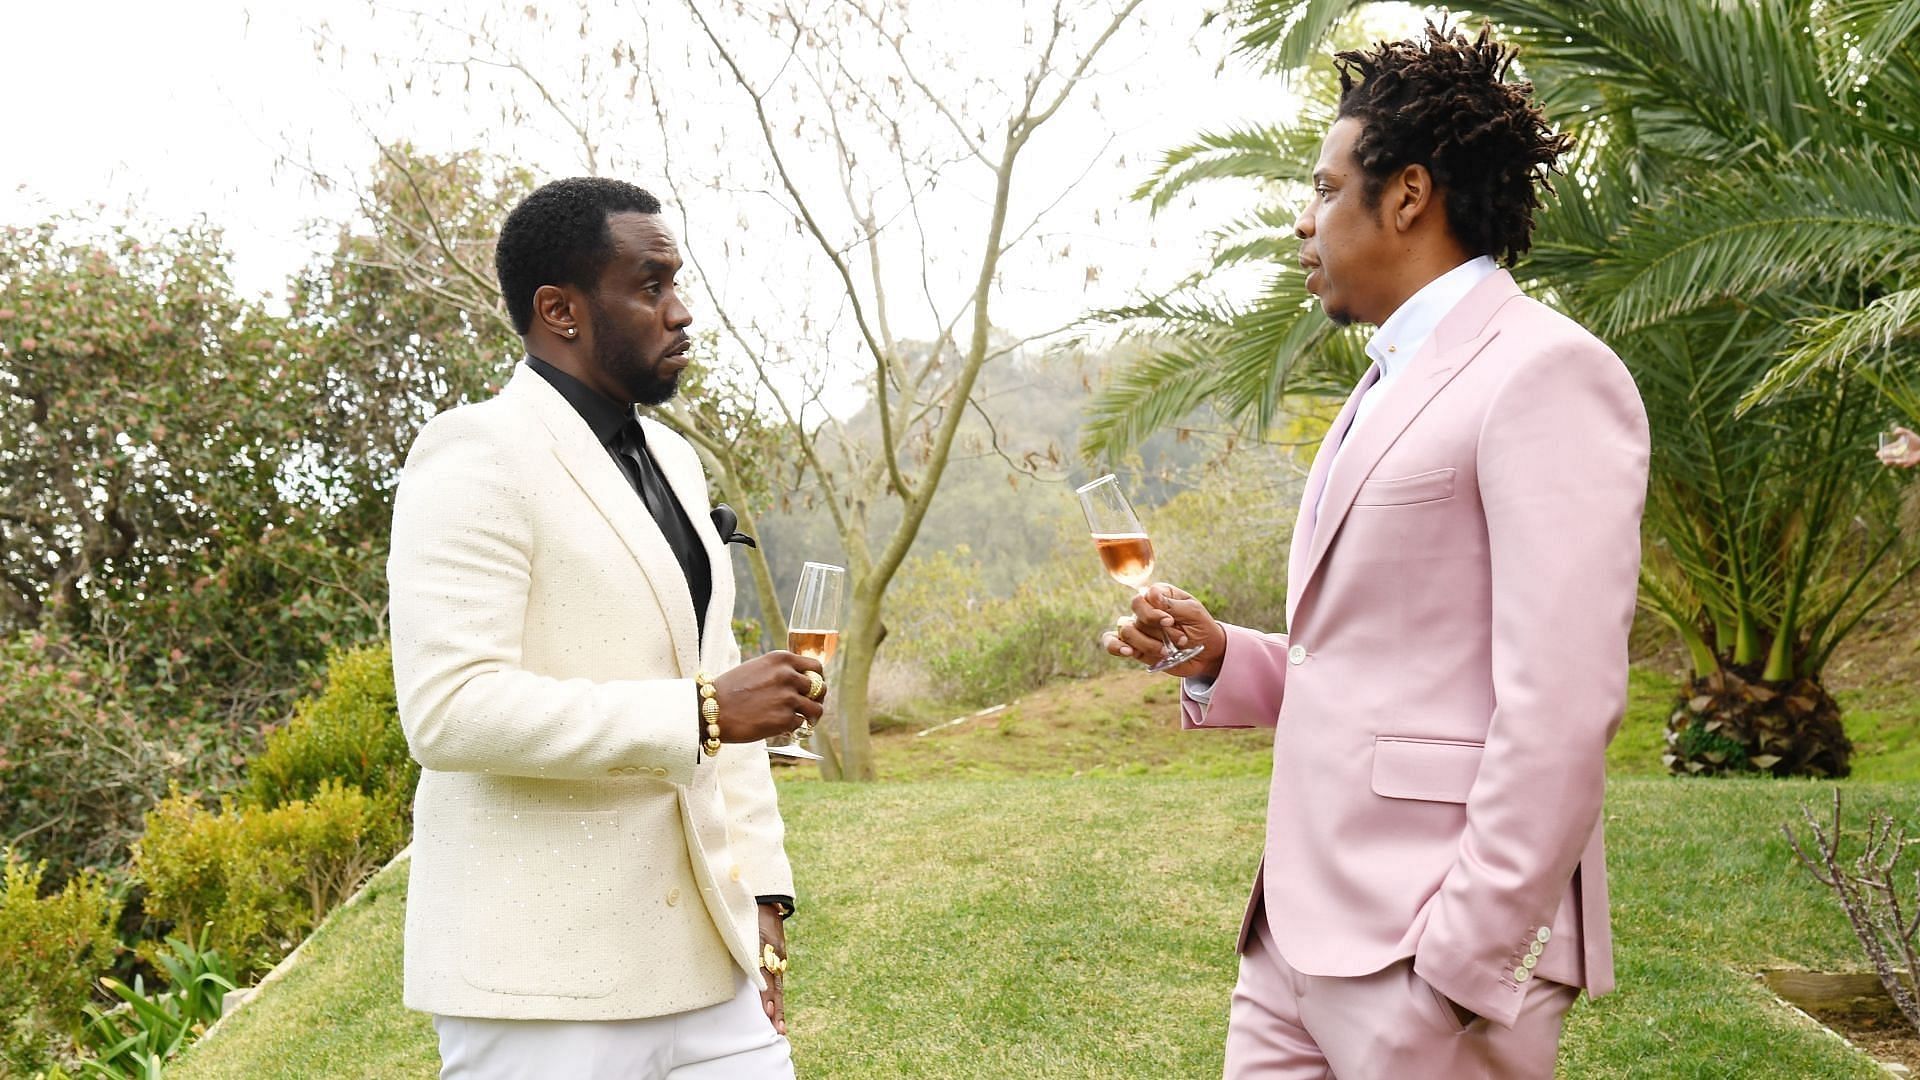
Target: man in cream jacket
x=598 y=874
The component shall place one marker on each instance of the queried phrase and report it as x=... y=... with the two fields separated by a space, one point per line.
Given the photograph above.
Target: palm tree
x=1741 y=222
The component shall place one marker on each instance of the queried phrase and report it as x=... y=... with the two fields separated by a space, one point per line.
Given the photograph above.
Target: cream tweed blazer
x=574 y=856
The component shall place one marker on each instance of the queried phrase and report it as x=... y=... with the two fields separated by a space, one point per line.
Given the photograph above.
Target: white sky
x=165 y=112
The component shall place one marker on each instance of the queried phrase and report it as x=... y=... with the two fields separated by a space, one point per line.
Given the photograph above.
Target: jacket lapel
x=586 y=460
x=1460 y=337
x=685 y=475
x=1316 y=483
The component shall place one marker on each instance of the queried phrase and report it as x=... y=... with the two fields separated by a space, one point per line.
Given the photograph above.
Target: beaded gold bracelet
x=709 y=712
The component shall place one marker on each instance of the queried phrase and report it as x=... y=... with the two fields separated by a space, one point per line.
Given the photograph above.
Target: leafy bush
x=1025 y=641
x=1226 y=541
x=259 y=879
x=51 y=950
x=76 y=771
x=139 y=1036
x=349 y=733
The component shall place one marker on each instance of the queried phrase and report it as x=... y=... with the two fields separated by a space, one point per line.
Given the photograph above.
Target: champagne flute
x=813 y=630
x=1125 y=550
x=1897 y=446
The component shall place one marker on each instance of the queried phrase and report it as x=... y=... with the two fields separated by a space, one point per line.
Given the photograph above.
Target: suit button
x=1529 y=962
x=673 y=897
x=658 y=771
x=1545 y=935
x=615 y=771
x=1521 y=974
x=1536 y=948
x=1297 y=655
x=734 y=873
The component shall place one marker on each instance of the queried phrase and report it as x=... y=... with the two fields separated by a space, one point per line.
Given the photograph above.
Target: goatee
x=657 y=390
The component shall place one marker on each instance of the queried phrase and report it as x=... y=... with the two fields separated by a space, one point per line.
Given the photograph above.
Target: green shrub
x=259 y=879
x=76 y=769
x=349 y=733
x=1225 y=540
x=52 y=949
x=1022 y=644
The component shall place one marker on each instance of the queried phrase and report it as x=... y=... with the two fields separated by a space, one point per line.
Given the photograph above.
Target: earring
x=572 y=331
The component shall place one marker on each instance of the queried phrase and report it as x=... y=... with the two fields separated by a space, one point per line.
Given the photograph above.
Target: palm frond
x=1741 y=74
x=1874 y=33
x=1271 y=152
x=1145 y=397
x=1824 y=215
x=1841 y=342
x=1264 y=236
x=1243 y=361
x=1285 y=34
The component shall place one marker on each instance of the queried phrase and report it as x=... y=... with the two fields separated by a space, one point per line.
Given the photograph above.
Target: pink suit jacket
x=1456 y=664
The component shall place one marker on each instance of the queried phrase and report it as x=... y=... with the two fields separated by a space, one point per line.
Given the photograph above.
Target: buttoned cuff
x=1464 y=980
x=1198 y=690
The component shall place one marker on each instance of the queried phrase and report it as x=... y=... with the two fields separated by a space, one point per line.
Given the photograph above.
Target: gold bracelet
x=709 y=712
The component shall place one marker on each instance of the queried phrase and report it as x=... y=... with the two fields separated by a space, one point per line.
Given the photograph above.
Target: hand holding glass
x=1125 y=550
x=813 y=630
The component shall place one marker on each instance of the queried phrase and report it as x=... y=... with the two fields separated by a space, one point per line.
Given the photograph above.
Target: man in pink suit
x=1433 y=893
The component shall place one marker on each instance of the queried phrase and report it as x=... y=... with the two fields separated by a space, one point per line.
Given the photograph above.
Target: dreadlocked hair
x=1443 y=102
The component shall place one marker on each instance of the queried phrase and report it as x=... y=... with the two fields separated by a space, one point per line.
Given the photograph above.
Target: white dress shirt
x=1393 y=346
x=1392 y=349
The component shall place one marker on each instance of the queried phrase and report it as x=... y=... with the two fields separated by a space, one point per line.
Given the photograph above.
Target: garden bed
x=1854 y=1004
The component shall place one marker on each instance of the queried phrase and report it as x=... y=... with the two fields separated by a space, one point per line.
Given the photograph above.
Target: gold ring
x=816 y=686
x=773 y=962
x=804 y=731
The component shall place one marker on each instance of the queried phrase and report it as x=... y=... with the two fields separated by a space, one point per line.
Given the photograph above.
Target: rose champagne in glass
x=1125 y=550
x=813 y=630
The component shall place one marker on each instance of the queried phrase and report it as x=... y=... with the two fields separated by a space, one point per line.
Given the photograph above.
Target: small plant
x=1879 y=892
x=136 y=1037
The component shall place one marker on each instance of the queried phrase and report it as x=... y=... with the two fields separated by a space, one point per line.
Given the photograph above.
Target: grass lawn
x=992 y=914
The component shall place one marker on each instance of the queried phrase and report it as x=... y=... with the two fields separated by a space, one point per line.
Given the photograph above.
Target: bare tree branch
x=974 y=145
x=820 y=237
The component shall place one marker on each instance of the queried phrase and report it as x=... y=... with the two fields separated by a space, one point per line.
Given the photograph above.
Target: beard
x=620 y=358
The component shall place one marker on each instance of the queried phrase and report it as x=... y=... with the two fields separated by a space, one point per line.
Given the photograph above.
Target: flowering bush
x=76 y=769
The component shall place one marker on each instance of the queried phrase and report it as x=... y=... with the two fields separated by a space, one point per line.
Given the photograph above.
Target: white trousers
x=733 y=1040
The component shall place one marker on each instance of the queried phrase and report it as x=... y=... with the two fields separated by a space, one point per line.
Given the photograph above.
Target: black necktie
x=630 y=446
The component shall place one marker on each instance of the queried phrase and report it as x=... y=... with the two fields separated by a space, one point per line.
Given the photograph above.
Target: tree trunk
x=773 y=619
x=1733 y=721
x=852 y=755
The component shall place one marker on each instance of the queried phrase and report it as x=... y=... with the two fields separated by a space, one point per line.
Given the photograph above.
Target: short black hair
x=559 y=236
x=1443 y=102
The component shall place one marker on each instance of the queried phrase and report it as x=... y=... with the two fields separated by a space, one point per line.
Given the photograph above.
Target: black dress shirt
x=619 y=431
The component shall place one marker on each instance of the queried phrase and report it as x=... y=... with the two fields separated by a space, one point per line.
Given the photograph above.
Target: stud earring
x=572 y=331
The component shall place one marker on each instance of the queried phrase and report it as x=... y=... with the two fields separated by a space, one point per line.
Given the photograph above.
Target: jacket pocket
x=1406 y=490
x=542 y=893
x=1432 y=770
